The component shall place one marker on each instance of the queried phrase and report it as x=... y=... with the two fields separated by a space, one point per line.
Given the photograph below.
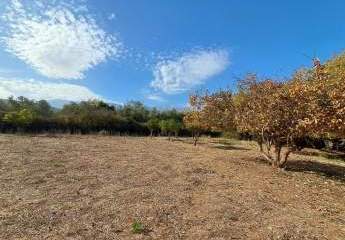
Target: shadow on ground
x=323 y=169
x=323 y=153
x=225 y=145
x=215 y=144
x=230 y=147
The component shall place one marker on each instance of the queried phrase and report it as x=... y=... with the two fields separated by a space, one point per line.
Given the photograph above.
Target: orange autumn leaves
x=278 y=114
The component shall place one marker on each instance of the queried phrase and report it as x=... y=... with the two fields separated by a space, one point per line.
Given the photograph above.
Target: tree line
x=282 y=116
x=87 y=117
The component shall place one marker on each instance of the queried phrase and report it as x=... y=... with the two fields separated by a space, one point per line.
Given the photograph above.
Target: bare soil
x=96 y=187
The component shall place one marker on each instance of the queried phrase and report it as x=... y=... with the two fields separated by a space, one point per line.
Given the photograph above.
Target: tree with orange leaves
x=213 y=112
x=194 y=119
x=279 y=114
x=329 y=89
x=274 y=113
x=219 y=111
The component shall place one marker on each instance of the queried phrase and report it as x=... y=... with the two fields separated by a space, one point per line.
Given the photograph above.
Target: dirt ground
x=96 y=187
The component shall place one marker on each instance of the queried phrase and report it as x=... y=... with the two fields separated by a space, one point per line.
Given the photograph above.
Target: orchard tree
x=329 y=97
x=324 y=98
x=251 y=103
x=276 y=113
x=194 y=119
x=288 y=120
x=219 y=111
x=213 y=112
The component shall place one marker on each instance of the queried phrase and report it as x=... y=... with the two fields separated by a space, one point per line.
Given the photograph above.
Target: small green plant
x=137 y=227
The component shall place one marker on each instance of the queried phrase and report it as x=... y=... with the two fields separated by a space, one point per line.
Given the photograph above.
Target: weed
x=137 y=227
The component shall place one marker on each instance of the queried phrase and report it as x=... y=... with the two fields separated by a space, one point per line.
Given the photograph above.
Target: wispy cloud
x=38 y=90
x=189 y=70
x=155 y=97
x=8 y=71
x=111 y=16
x=59 y=40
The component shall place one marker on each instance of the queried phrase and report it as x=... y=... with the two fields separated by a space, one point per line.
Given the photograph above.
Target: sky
x=157 y=52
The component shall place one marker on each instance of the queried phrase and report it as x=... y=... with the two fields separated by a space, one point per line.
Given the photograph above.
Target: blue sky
x=157 y=51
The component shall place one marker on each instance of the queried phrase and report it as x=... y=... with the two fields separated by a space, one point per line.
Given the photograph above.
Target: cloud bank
x=189 y=70
x=59 y=40
x=39 y=90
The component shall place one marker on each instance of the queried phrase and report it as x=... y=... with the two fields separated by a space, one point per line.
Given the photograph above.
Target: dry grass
x=73 y=187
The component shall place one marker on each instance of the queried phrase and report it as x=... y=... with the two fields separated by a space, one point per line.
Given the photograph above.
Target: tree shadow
x=212 y=144
x=323 y=153
x=322 y=169
x=225 y=145
x=230 y=147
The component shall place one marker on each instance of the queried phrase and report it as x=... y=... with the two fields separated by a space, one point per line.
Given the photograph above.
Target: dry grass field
x=95 y=187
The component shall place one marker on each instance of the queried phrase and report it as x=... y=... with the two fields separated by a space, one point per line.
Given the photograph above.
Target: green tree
x=153 y=125
x=163 y=125
x=43 y=109
x=174 y=127
x=19 y=119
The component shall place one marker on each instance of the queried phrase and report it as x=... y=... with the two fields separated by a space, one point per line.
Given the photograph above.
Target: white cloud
x=189 y=70
x=59 y=40
x=155 y=97
x=38 y=90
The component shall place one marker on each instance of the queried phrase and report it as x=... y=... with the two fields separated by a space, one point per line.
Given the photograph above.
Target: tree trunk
x=260 y=145
x=274 y=159
x=278 y=150
x=282 y=164
x=195 y=138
